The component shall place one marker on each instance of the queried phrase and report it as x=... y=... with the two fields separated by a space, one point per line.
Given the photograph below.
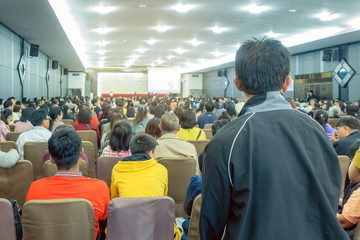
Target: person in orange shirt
x=66 y=152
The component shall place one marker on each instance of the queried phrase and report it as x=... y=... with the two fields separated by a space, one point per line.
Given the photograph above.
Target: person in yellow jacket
x=188 y=131
x=139 y=175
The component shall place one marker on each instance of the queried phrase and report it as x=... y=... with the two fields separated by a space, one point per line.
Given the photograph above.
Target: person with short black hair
x=4 y=128
x=209 y=117
x=84 y=122
x=346 y=137
x=119 y=141
x=322 y=117
x=188 y=130
x=352 y=110
x=56 y=116
x=1 y=104
x=66 y=152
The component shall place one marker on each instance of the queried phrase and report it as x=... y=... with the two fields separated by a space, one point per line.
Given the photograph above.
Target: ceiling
x=132 y=22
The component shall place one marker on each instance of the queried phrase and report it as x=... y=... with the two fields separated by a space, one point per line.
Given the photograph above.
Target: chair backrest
x=15 y=181
x=12 y=136
x=344 y=162
x=104 y=167
x=180 y=171
x=333 y=121
x=91 y=136
x=91 y=155
x=208 y=126
x=141 y=218
x=58 y=219
x=50 y=169
x=199 y=145
x=357 y=232
x=7 y=226
x=12 y=128
x=68 y=121
x=208 y=133
x=34 y=152
x=6 y=146
x=194 y=232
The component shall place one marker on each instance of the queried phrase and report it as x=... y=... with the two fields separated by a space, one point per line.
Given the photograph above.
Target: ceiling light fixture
x=102 y=58
x=355 y=23
x=188 y=64
x=326 y=16
x=101 y=51
x=152 y=64
x=103 y=30
x=217 y=29
x=151 y=41
x=159 y=61
x=255 y=9
x=237 y=46
x=179 y=51
x=292 y=10
x=195 y=42
x=170 y=57
x=142 y=6
x=183 y=8
x=217 y=53
x=101 y=43
x=271 y=34
x=134 y=57
x=103 y=9
x=141 y=50
x=162 y=28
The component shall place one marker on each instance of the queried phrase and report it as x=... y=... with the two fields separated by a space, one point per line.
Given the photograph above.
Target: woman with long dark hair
x=140 y=121
x=188 y=131
x=153 y=128
x=322 y=117
x=56 y=116
x=120 y=137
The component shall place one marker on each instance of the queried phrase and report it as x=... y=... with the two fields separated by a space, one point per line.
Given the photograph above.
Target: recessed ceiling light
x=134 y=56
x=217 y=43
x=201 y=59
x=141 y=50
x=326 y=16
x=188 y=64
x=237 y=46
x=124 y=40
x=151 y=41
x=152 y=64
x=101 y=52
x=355 y=23
x=103 y=30
x=255 y=9
x=103 y=9
x=101 y=43
x=217 y=53
x=169 y=57
x=159 y=61
x=292 y=10
x=179 y=51
x=102 y=58
x=195 y=42
x=183 y=8
x=162 y=28
x=142 y=6
x=271 y=34
x=217 y=29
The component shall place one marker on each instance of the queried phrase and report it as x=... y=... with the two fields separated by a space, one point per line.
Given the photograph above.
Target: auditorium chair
x=180 y=171
x=193 y=232
x=12 y=136
x=208 y=126
x=357 y=232
x=6 y=146
x=58 y=219
x=333 y=121
x=344 y=162
x=91 y=136
x=208 y=133
x=141 y=218
x=7 y=226
x=12 y=128
x=68 y=121
x=34 y=152
x=104 y=167
x=199 y=145
x=91 y=155
x=15 y=181
x=50 y=169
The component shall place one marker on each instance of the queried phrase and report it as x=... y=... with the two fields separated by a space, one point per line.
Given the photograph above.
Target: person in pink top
x=119 y=140
x=24 y=124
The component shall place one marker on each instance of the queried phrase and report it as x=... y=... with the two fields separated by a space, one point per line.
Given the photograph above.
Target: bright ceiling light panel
x=183 y=8
x=217 y=29
x=103 y=30
x=217 y=53
x=141 y=50
x=195 y=42
x=152 y=64
x=162 y=28
x=326 y=16
x=169 y=57
x=355 y=23
x=134 y=56
x=237 y=46
x=179 y=51
x=101 y=43
x=64 y=13
x=151 y=41
x=255 y=9
x=103 y=9
x=273 y=35
x=101 y=52
x=160 y=61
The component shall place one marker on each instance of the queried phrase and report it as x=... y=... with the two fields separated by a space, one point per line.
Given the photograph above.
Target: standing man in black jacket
x=271 y=173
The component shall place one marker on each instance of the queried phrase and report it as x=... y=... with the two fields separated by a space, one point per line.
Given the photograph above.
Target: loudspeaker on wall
x=34 y=50
x=219 y=73
x=55 y=64
x=66 y=70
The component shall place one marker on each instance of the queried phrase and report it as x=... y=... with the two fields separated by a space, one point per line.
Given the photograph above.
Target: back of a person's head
x=188 y=119
x=230 y=108
x=64 y=148
x=321 y=117
x=93 y=101
x=5 y=114
x=120 y=136
x=350 y=121
x=217 y=125
x=37 y=117
x=84 y=115
x=153 y=127
x=55 y=111
x=169 y=122
x=140 y=115
x=209 y=106
x=352 y=110
x=142 y=143
x=26 y=114
x=178 y=112
x=262 y=65
x=159 y=111
x=8 y=103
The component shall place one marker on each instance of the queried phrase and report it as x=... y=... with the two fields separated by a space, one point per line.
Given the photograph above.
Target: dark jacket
x=206 y=118
x=349 y=145
x=264 y=179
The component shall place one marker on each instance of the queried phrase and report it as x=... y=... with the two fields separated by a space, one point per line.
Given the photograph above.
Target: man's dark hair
x=94 y=101
x=142 y=143
x=217 y=125
x=84 y=115
x=120 y=136
x=8 y=104
x=352 y=110
x=64 y=147
x=1 y=101
x=188 y=119
x=261 y=65
x=178 y=112
x=209 y=106
x=37 y=117
x=352 y=122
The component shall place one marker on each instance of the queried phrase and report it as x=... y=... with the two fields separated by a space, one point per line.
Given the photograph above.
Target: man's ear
x=178 y=128
x=287 y=83
x=236 y=82
x=52 y=160
x=346 y=128
x=160 y=127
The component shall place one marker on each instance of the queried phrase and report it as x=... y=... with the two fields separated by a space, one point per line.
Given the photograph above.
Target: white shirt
x=8 y=159
x=36 y=134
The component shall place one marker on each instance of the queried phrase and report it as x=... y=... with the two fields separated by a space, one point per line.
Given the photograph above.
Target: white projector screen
x=164 y=80
x=121 y=82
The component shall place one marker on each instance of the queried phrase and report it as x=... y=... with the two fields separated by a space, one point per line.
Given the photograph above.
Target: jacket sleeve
x=216 y=192
x=8 y=159
x=113 y=188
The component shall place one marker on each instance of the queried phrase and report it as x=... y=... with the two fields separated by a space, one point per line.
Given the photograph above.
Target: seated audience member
x=119 y=140
x=24 y=124
x=7 y=117
x=335 y=112
x=178 y=112
x=84 y=122
x=130 y=113
x=354 y=169
x=39 y=133
x=140 y=121
x=188 y=131
x=9 y=159
x=352 y=110
x=218 y=110
x=153 y=128
x=65 y=150
x=96 y=104
x=56 y=116
x=322 y=117
x=67 y=113
x=159 y=111
x=17 y=111
x=217 y=125
x=4 y=128
x=109 y=126
x=230 y=109
x=171 y=145
x=225 y=116
x=347 y=138
x=209 y=117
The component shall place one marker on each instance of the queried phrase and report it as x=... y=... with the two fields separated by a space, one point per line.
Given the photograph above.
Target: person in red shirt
x=66 y=152
x=84 y=122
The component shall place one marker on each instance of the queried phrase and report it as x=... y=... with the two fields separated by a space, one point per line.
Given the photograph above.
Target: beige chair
x=6 y=146
x=50 y=169
x=12 y=128
x=141 y=218
x=194 y=232
x=90 y=135
x=7 y=226
x=208 y=133
x=199 y=145
x=91 y=155
x=180 y=171
x=357 y=232
x=58 y=219
x=344 y=162
x=15 y=181
x=208 y=126
x=333 y=121
x=34 y=152
x=12 y=136
x=68 y=121
x=104 y=167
